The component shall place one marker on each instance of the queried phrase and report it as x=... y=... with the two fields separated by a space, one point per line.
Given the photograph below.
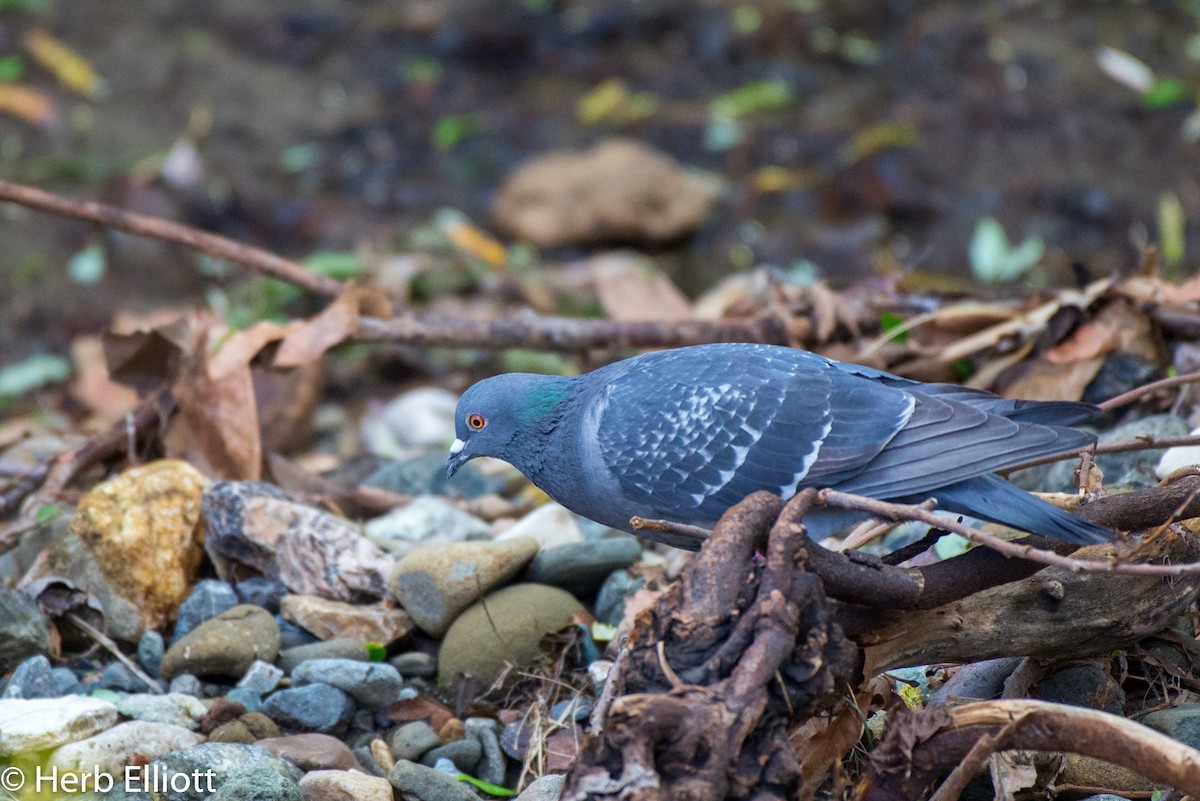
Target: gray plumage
x=684 y=434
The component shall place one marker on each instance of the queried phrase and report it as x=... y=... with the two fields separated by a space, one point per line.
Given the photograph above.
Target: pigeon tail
x=992 y=498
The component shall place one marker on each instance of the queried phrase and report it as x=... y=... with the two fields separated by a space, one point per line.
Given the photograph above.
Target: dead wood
x=923 y=746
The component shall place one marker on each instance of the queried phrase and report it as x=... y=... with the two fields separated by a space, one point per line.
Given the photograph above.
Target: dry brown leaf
x=1045 y=381
x=92 y=386
x=306 y=342
x=820 y=745
x=28 y=104
x=632 y=289
x=1092 y=339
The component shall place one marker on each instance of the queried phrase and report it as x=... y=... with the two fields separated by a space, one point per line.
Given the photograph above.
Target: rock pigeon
x=684 y=434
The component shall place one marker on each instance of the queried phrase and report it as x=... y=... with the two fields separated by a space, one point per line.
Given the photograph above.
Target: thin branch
x=1126 y=398
x=1143 y=443
x=214 y=245
x=114 y=649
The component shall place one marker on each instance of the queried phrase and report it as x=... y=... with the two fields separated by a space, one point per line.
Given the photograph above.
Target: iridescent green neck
x=541 y=400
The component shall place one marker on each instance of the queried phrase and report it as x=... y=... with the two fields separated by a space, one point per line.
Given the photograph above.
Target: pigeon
x=684 y=434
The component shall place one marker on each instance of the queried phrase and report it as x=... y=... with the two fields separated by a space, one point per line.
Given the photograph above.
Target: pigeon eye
x=476 y=421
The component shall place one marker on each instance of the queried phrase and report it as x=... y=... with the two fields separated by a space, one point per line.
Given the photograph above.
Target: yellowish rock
x=333 y=619
x=145 y=531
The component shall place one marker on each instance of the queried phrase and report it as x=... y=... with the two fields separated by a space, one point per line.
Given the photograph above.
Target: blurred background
x=939 y=145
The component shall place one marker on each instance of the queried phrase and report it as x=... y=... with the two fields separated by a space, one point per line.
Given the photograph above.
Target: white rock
x=177 y=709
x=426 y=518
x=39 y=723
x=344 y=785
x=1175 y=458
x=416 y=420
x=547 y=788
x=109 y=751
x=550 y=525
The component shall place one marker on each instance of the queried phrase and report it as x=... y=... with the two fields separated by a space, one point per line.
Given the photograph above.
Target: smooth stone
x=23 y=631
x=186 y=684
x=307 y=549
x=492 y=766
x=227 y=761
x=420 y=418
x=31 y=679
x=546 y=788
x=111 y=750
x=150 y=651
x=117 y=676
x=1086 y=771
x=261 y=591
x=614 y=592
x=426 y=517
x=249 y=728
x=315 y=707
x=504 y=628
x=261 y=677
x=580 y=568
x=176 y=709
x=335 y=619
x=344 y=785
x=208 y=599
x=1178 y=722
x=549 y=525
x=426 y=475
x=250 y=700
x=413 y=740
x=428 y=784
x=312 y=751
x=436 y=582
x=291 y=635
x=65 y=682
x=1086 y=685
x=337 y=648
x=375 y=685
x=415 y=664
x=39 y=723
x=227 y=645
x=257 y=784
x=145 y=535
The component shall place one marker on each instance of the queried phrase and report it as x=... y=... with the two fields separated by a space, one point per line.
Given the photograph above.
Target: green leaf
x=963 y=368
x=951 y=545
x=33 y=373
x=376 y=652
x=88 y=266
x=339 y=264
x=47 y=513
x=449 y=130
x=1171 y=228
x=889 y=322
x=994 y=260
x=487 y=787
x=750 y=98
x=106 y=695
x=11 y=68
x=1166 y=92
x=602 y=632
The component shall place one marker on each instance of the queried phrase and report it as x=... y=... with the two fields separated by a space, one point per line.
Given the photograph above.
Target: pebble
x=492 y=766
x=261 y=677
x=418 y=419
x=111 y=750
x=413 y=740
x=315 y=707
x=546 y=788
x=329 y=619
x=374 y=685
x=249 y=728
x=250 y=700
x=117 y=676
x=616 y=590
x=1179 y=722
x=176 y=709
x=570 y=710
x=66 y=682
x=144 y=533
x=261 y=591
x=308 y=550
x=39 y=723
x=343 y=785
x=426 y=475
x=465 y=755
x=549 y=525
x=23 y=631
x=436 y=582
x=1177 y=457
x=428 y=784
x=227 y=761
x=208 y=599
x=227 y=645
x=415 y=664
x=581 y=567
x=31 y=679
x=504 y=628
x=257 y=784
x=425 y=518
x=312 y=751
x=186 y=684
x=1087 y=685
x=337 y=648
x=150 y=652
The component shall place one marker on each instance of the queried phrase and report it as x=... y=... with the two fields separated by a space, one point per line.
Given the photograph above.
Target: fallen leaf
x=28 y=104
x=93 y=387
x=1089 y=340
x=632 y=289
x=71 y=69
x=308 y=341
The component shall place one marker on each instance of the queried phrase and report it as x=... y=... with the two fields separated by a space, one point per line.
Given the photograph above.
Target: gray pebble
x=209 y=598
x=375 y=685
x=465 y=754
x=150 y=652
x=413 y=740
x=428 y=784
x=262 y=677
x=317 y=707
x=31 y=679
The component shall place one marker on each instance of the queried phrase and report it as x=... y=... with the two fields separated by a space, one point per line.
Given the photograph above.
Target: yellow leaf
x=28 y=104
x=478 y=243
x=74 y=71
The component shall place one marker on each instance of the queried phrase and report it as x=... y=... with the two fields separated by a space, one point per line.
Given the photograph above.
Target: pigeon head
x=502 y=416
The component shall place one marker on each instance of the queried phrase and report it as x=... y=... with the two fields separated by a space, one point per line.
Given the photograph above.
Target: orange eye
x=476 y=421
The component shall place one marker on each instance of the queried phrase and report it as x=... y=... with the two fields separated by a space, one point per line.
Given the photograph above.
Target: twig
x=214 y=245
x=680 y=535
x=115 y=650
x=529 y=330
x=1143 y=443
x=1126 y=398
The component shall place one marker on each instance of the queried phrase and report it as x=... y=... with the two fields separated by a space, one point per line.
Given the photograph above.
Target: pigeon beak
x=457 y=458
